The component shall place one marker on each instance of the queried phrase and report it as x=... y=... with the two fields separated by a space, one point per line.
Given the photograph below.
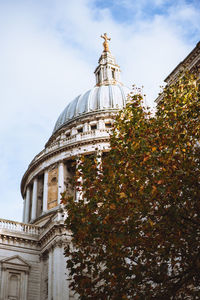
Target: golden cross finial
x=105 y=43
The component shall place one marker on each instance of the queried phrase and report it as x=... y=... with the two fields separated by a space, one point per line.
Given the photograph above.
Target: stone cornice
x=55 y=234
x=185 y=63
x=18 y=240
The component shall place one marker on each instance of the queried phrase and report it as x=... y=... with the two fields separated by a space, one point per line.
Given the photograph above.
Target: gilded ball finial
x=105 y=43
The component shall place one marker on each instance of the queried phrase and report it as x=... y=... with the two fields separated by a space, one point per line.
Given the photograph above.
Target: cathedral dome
x=83 y=128
x=99 y=98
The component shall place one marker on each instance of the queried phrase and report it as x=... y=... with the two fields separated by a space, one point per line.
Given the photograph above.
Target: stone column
x=101 y=75
x=78 y=194
x=99 y=159
x=85 y=127
x=34 y=199
x=60 y=180
x=101 y=124
x=45 y=191
x=27 y=205
x=24 y=207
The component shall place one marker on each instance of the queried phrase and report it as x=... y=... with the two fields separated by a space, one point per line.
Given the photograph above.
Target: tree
x=136 y=230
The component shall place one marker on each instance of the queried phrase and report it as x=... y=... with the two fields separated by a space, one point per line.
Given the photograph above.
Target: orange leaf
x=112 y=206
x=154 y=189
x=160 y=181
x=146 y=158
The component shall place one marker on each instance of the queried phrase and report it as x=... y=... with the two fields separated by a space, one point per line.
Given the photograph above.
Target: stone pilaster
x=50 y=276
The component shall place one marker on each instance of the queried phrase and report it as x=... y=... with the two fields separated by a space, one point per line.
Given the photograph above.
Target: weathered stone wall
x=52 y=188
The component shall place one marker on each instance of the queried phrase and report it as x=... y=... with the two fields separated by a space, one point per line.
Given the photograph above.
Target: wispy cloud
x=49 y=50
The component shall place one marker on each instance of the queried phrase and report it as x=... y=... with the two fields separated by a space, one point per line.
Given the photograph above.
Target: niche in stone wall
x=14 y=286
x=52 y=187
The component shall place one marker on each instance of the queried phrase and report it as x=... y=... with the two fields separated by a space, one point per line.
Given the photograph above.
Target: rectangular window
x=108 y=125
x=93 y=127
x=80 y=130
x=113 y=73
x=67 y=134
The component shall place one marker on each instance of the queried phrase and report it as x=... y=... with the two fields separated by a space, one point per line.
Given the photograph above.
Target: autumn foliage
x=136 y=230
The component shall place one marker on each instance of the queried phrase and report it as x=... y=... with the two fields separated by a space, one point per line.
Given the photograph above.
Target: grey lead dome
x=100 y=98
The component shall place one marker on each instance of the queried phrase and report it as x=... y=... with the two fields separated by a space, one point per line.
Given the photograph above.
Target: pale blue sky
x=48 y=52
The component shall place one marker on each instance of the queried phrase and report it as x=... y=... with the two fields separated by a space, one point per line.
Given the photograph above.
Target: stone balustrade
x=79 y=137
x=67 y=140
x=19 y=227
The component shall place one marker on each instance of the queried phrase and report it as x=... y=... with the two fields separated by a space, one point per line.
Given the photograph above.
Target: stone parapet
x=7 y=226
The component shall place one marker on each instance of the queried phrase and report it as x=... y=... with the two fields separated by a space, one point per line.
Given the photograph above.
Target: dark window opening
x=93 y=127
x=113 y=73
x=71 y=166
x=80 y=130
x=98 y=77
x=108 y=125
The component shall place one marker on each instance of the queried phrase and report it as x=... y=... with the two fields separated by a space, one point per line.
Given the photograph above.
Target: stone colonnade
x=31 y=201
x=38 y=197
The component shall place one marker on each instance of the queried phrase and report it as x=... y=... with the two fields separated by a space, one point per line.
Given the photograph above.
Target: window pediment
x=15 y=262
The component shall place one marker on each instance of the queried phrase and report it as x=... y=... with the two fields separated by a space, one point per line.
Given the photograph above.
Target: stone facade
x=190 y=63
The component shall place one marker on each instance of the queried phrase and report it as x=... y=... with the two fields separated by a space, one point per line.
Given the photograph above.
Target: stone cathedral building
x=32 y=264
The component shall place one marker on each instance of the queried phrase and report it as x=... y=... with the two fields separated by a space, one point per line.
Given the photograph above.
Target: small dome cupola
x=107 y=72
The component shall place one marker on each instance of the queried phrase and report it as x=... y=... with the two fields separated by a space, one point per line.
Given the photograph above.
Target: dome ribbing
x=100 y=98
